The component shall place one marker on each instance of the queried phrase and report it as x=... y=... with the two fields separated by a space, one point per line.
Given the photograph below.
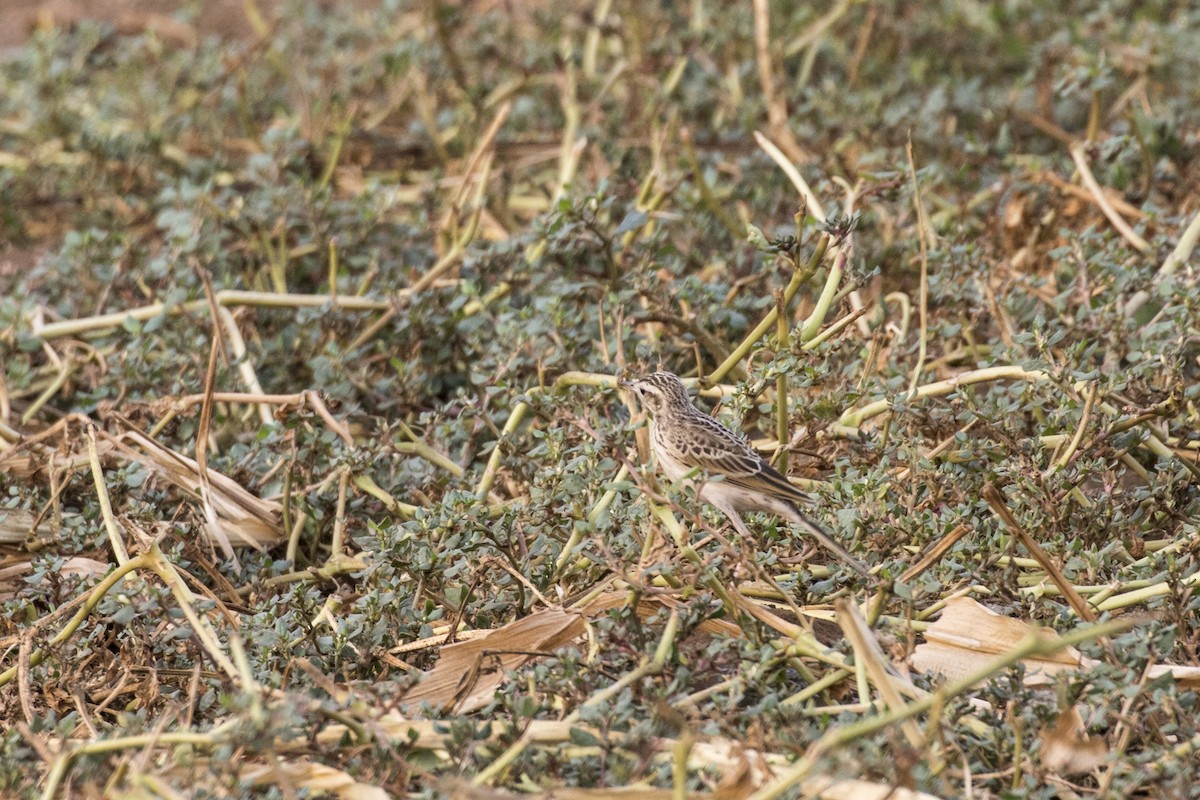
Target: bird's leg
x=739 y=525
x=725 y=507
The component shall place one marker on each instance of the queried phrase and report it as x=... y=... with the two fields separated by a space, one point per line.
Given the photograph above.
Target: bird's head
x=658 y=391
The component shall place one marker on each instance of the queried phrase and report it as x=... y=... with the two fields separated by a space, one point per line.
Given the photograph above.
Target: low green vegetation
x=380 y=270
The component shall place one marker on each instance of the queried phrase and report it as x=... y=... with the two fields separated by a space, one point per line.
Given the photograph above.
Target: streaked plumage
x=685 y=440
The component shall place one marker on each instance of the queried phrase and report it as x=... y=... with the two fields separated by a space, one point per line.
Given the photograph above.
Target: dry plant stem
x=227 y=298
x=1139 y=596
x=333 y=268
x=1089 y=180
x=1031 y=645
x=202 y=433
x=93 y=599
x=776 y=110
x=367 y=484
x=777 y=114
x=241 y=397
x=337 y=141
x=426 y=452
x=333 y=567
x=935 y=553
x=813 y=689
x=651 y=666
x=868 y=653
x=809 y=196
x=706 y=339
x=781 y=394
x=521 y=411
x=317 y=404
x=203 y=629
x=1177 y=258
x=816 y=319
x=1073 y=447
x=591 y=41
x=923 y=303
x=818 y=28
x=854 y=418
x=679 y=535
x=920 y=623
x=799 y=278
x=679 y=765
x=1183 y=250
x=799 y=642
x=310 y=398
x=570 y=148
x=832 y=330
x=1123 y=731
x=5 y=404
x=116 y=536
x=996 y=500
x=647 y=203
x=142 y=741
x=339 y=521
x=1083 y=194
x=64 y=372
x=443 y=265
x=484 y=147
x=577 y=533
x=245 y=367
x=939 y=449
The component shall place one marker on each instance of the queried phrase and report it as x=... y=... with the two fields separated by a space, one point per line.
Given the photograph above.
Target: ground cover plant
x=316 y=478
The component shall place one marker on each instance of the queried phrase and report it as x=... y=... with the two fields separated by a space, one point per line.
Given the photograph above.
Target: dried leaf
x=12 y=575
x=15 y=525
x=243 y=519
x=318 y=779
x=469 y=672
x=968 y=635
x=1067 y=749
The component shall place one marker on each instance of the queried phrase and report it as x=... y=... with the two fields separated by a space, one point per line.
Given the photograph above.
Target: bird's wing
x=722 y=453
x=755 y=474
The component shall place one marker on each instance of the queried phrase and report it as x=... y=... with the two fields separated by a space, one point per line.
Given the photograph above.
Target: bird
x=694 y=448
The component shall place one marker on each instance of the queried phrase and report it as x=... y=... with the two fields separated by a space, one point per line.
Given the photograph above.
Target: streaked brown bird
x=693 y=447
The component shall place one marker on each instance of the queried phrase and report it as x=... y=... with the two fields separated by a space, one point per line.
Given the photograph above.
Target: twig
x=777 y=115
x=64 y=372
x=93 y=599
x=1089 y=180
x=1179 y=256
x=923 y=296
x=799 y=278
x=781 y=385
x=789 y=169
x=245 y=365
x=810 y=326
x=116 y=536
x=1032 y=645
x=854 y=418
x=996 y=500
x=339 y=519
x=651 y=666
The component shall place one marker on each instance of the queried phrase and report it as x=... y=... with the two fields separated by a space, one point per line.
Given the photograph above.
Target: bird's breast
x=669 y=461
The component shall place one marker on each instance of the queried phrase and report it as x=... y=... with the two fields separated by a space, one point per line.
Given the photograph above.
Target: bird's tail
x=827 y=541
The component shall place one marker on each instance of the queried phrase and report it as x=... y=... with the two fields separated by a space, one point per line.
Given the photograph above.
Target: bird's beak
x=625 y=384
